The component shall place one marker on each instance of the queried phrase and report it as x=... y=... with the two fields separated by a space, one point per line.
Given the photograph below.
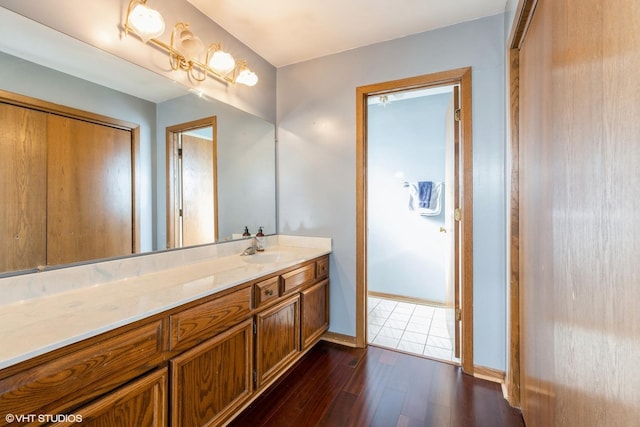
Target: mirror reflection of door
x=192 y=183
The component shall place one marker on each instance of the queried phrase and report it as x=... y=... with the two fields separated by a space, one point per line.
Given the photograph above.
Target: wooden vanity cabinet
x=277 y=338
x=143 y=403
x=67 y=378
x=267 y=291
x=294 y=280
x=212 y=380
x=203 y=321
x=314 y=316
x=194 y=365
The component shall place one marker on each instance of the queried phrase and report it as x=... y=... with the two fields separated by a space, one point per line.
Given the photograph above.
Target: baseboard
x=489 y=374
x=346 y=340
x=505 y=392
x=405 y=299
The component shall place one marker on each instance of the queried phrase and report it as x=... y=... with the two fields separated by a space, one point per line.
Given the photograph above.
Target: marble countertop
x=35 y=326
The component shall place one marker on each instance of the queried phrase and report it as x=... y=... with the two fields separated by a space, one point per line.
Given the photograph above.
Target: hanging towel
x=434 y=205
x=424 y=194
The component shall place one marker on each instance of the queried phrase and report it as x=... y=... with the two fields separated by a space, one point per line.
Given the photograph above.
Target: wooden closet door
x=23 y=188
x=89 y=202
x=198 y=191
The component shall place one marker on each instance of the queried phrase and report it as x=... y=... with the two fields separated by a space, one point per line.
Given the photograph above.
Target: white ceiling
x=289 y=31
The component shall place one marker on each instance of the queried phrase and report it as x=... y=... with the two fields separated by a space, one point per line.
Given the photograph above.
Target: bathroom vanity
x=185 y=346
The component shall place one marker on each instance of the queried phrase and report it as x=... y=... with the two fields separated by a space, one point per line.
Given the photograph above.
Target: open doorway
x=192 y=195
x=450 y=223
x=411 y=139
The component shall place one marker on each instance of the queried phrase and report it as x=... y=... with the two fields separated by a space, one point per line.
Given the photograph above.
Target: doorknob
x=443 y=230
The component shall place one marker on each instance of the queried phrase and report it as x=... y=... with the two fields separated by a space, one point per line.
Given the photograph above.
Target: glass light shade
x=146 y=22
x=222 y=62
x=190 y=45
x=247 y=77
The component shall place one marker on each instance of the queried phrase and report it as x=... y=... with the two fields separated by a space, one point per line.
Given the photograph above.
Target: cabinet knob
x=269 y=292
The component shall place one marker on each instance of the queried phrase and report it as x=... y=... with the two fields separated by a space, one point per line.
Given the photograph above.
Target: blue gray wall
x=407 y=254
x=316 y=139
x=245 y=169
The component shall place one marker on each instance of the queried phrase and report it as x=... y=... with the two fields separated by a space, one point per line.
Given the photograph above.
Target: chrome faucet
x=251 y=249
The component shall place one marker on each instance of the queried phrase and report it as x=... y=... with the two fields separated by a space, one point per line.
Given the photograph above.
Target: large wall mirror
x=245 y=144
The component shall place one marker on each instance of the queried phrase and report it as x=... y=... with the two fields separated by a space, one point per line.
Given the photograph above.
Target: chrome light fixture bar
x=185 y=48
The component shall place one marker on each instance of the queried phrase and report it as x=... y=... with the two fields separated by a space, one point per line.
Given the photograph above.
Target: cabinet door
x=90 y=193
x=315 y=312
x=23 y=188
x=143 y=403
x=212 y=380
x=277 y=338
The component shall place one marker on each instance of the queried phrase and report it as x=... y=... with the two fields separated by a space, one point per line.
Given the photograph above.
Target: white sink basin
x=267 y=257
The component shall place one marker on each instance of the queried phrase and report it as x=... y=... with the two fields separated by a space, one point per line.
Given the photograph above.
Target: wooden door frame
x=523 y=16
x=462 y=77
x=171 y=153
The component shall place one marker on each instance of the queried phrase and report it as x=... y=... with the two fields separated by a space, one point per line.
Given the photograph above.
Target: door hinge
x=458 y=315
x=255 y=377
x=255 y=329
x=456 y=115
x=180 y=212
x=457 y=214
x=179 y=152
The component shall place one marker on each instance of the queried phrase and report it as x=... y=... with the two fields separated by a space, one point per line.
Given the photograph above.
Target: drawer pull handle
x=269 y=292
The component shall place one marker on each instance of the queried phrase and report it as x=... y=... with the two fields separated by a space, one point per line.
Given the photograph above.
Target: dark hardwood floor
x=340 y=386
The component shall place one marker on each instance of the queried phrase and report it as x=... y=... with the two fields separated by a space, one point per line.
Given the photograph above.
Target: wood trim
x=461 y=76
x=341 y=339
x=406 y=299
x=136 y=203
x=170 y=173
x=513 y=373
x=214 y=142
x=489 y=374
x=63 y=110
x=361 y=217
x=466 y=244
x=524 y=15
x=170 y=177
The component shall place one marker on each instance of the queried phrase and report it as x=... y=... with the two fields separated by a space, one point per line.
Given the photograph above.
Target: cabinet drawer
x=196 y=324
x=298 y=277
x=322 y=268
x=267 y=290
x=74 y=378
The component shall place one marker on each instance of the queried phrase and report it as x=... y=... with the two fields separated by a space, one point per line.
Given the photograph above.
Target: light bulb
x=190 y=45
x=146 y=22
x=247 y=77
x=222 y=62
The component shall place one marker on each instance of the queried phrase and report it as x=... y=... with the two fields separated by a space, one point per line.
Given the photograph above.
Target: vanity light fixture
x=185 y=48
x=246 y=76
x=144 y=21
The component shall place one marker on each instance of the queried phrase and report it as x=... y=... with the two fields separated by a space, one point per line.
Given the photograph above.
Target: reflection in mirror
x=245 y=143
x=192 y=195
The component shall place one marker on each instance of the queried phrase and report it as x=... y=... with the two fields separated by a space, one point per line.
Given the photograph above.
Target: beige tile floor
x=413 y=328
